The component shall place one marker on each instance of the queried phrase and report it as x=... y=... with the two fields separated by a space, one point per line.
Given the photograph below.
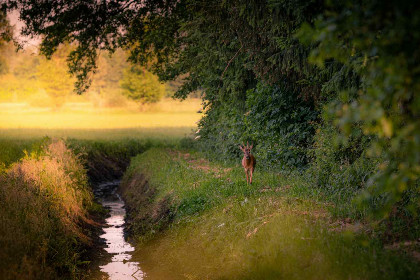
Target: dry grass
x=43 y=202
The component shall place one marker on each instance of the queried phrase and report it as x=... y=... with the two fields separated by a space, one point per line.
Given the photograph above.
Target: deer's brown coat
x=248 y=162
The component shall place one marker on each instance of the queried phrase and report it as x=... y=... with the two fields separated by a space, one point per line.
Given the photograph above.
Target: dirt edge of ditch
x=146 y=214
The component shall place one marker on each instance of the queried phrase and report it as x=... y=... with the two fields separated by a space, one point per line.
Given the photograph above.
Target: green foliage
x=139 y=84
x=110 y=71
x=378 y=42
x=53 y=76
x=340 y=168
x=273 y=118
x=281 y=124
x=354 y=61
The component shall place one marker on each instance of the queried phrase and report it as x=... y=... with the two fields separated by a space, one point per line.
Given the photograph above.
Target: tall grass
x=44 y=199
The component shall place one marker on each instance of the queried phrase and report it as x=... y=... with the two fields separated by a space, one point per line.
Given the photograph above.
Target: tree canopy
x=141 y=85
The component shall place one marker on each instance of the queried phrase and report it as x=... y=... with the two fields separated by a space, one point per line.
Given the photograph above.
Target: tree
x=109 y=71
x=141 y=85
x=5 y=36
x=53 y=76
x=377 y=41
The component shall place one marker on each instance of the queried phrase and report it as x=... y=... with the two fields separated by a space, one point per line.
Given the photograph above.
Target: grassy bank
x=45 y=202
x=194 y=219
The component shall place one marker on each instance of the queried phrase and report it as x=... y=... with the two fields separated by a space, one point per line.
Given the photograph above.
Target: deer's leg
x=246 y=172
x=250 y=172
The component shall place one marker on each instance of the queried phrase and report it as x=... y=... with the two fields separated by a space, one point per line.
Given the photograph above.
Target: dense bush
x=340 y=166
x=377 y=41
x=281 y=124
x=273 y=118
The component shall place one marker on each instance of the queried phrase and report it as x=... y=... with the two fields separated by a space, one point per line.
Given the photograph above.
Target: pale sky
x=18 y=25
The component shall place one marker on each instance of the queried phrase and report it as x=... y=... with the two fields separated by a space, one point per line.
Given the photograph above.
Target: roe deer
x=248 y=161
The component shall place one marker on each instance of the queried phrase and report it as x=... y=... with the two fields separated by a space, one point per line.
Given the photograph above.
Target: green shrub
x=281 y=124
x=339 y=166
x=274 y=118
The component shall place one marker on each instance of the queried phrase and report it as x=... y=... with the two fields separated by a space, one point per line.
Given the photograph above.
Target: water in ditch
x=120 y=267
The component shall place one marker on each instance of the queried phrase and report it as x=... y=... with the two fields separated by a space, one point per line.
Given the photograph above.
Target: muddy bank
x=103 y=168
x=145 y=214
x=106 y=161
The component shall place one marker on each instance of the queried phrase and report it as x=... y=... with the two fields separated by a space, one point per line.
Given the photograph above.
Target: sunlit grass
x=44 y=203
x=97 y=120
x=222 y=228
x=82 y=120
x=167 y=119
x=159 y=133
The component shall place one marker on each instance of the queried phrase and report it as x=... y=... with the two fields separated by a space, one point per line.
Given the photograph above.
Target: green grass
x=161 y=133
x=217 y=227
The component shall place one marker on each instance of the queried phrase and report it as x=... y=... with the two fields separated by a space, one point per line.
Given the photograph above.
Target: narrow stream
x=120 y=267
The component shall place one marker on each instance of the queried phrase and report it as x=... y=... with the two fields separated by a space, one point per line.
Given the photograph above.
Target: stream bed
x=120 y=266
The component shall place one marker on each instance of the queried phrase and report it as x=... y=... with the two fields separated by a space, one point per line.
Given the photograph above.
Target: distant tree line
x=330 y=88
x=27 y=76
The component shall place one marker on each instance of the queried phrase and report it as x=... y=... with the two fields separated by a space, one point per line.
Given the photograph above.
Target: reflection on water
x=120 y=266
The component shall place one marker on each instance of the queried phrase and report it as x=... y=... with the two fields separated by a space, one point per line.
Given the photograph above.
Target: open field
x=94 y=120
x=163 y=123
x=162 y=133
x=166 y=119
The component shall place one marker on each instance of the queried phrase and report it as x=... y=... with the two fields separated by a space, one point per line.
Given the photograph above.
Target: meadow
x=23 y=126
x=166 y=119
x=189 y=214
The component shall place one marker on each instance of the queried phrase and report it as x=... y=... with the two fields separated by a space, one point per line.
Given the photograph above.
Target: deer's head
x=246 y=150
